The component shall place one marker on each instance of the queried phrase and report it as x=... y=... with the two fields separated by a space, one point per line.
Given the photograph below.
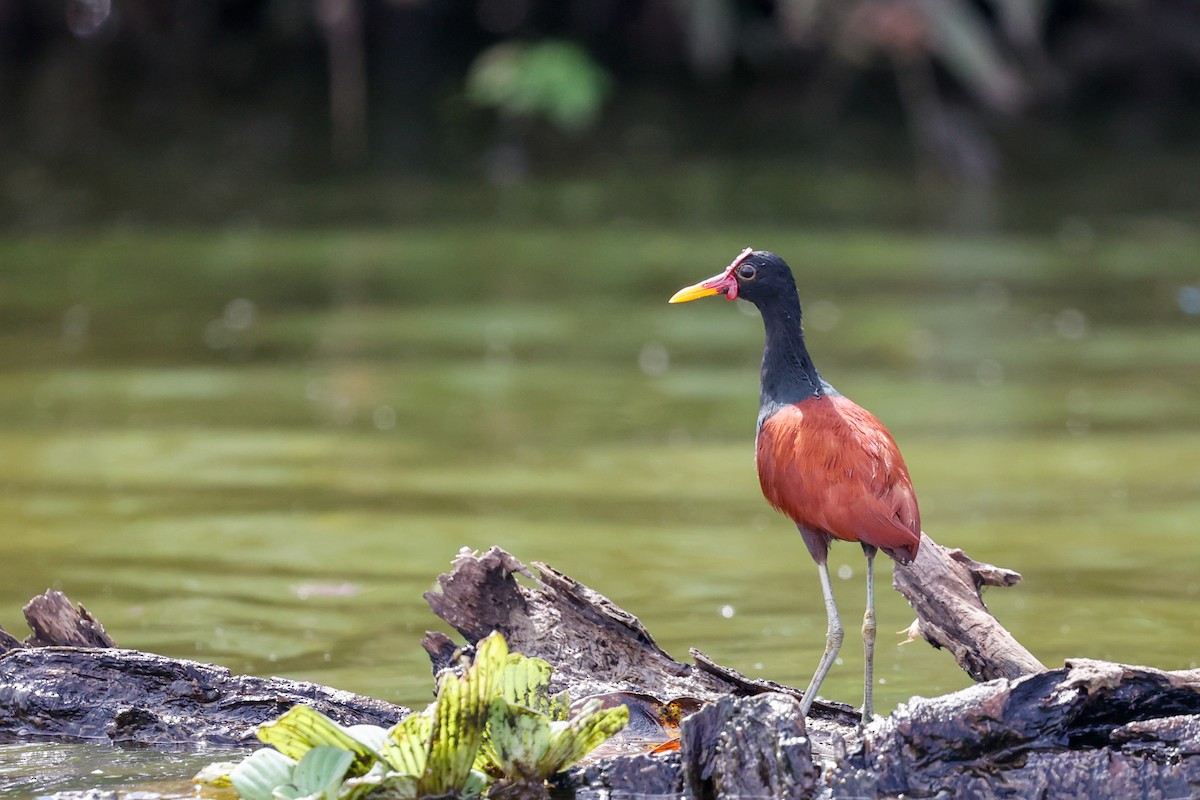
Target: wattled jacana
x=825 y=462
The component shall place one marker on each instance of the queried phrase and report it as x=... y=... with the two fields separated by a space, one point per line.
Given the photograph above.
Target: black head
x=759 y=276
x=763 y=277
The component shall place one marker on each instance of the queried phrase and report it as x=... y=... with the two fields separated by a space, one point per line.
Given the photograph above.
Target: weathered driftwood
x=68 y=680
x=753 y=748
x=560 y=620
x=130 y=696
x=943 y=587
x=595 y=646
x=54 y=621
x=748 y=747
x=1089 y=730
x=1093 y=729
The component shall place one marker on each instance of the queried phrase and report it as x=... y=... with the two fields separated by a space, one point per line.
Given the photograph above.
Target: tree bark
x=69 y=680
x=54 y=621
x=1088 y=730
x=129 y=696
x=943 y=586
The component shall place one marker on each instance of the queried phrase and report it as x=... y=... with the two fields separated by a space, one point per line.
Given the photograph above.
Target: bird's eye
x=746 y=272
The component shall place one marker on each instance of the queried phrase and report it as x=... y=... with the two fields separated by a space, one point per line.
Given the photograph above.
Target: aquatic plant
x=493 y=730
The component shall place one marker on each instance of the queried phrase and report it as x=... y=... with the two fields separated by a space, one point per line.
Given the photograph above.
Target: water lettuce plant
x=494 y=730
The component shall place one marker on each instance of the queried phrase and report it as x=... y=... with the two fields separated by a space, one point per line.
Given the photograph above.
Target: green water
x=260 y=448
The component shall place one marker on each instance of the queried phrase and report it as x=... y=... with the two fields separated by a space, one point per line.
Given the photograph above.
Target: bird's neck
x=788 y=373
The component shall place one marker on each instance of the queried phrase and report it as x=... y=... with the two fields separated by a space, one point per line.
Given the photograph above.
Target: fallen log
x=68 y=680
x=1091 y=729
x=595 y=646
x=134 y=697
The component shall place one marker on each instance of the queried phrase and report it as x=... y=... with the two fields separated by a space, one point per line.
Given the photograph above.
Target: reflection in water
x=35 y=769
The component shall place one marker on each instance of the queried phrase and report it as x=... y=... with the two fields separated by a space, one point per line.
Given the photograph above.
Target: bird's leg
x=868 y=633
x=833 y=640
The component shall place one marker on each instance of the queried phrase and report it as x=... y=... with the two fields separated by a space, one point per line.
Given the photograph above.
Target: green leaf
x=459 y=716
x=371 y=736
x=573 y=740
x=526 y=681
x=303 y=728
x=476 y=784
x=407 y=747
x=381 y=784
x=400 y=787
x=559 y=708
x=518 y=738
x=321 y=771
x=260 y=773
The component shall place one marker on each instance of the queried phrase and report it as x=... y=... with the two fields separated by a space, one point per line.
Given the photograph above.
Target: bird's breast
x=833 y=468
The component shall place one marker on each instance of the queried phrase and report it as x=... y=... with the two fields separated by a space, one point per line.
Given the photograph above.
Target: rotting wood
x=129 y=696
x=1091 y=729
x=601 y=648
x=69 y=681
x=566 y=623
x=755 y=747
x=943 y=586
x=1055 y=733
x=55 y=622
x=595 y=646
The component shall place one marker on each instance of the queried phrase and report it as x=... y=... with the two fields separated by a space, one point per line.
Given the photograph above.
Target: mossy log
x=1090 y=729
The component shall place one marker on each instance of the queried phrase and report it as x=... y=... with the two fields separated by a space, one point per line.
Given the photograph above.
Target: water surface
x=260 y=448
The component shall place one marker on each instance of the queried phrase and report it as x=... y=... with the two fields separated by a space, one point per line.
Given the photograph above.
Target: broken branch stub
x=56 y=622
x=595 y=646
x=943 y=586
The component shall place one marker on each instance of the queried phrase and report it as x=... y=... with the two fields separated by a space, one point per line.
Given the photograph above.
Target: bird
x=825 y=462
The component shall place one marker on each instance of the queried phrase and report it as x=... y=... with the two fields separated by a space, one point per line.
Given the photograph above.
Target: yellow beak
x=694 y=293
x=721 y=283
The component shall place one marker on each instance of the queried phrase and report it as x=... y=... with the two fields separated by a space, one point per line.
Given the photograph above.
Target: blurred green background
x=298 y=298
